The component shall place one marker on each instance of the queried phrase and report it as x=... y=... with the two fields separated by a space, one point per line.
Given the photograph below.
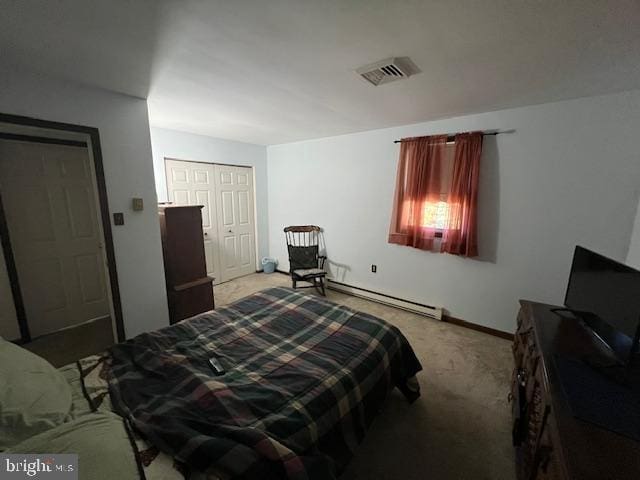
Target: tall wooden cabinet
x=189 y=289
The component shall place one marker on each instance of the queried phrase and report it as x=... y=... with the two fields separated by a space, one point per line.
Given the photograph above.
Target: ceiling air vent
x=388 y=70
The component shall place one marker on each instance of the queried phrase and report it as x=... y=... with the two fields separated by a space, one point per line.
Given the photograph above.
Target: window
x=435 y=214
x=436 y=193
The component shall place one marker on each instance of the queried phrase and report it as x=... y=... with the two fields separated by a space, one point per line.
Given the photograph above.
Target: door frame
x=95 y=153
x=255 y=196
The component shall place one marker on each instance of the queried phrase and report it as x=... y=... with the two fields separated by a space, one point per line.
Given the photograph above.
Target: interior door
x=236 y=224
x=191 y=183
x=9 y=328
x=50 y=207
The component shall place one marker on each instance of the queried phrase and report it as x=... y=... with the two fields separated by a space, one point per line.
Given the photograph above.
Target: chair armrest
x=321 y=260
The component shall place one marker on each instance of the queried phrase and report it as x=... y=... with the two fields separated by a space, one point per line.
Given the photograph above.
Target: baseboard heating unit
x=414 y=307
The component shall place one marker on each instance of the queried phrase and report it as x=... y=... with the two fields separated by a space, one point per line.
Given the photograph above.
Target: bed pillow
x=34 y=396
x=100 y=440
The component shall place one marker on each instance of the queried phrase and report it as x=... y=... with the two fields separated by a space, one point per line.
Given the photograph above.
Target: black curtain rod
x=451 y=138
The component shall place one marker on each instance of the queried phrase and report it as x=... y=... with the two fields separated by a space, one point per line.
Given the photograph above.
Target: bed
x=304 y=379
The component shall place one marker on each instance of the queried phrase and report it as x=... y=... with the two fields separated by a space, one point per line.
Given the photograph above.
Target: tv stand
x=551 y=443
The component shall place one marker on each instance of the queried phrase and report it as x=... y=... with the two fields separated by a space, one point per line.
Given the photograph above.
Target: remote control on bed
x=216 y=366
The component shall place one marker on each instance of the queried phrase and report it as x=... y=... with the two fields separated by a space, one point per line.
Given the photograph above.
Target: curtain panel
x=460 y=237
x=433 y=197
x=418 y=183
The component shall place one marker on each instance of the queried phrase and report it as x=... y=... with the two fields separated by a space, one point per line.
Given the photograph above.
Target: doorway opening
x=58 y=268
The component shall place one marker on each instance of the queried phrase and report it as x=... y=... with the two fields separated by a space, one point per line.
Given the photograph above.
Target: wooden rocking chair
x=305 y=262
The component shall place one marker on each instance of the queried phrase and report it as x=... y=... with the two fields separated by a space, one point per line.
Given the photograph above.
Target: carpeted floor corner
x=458 y=429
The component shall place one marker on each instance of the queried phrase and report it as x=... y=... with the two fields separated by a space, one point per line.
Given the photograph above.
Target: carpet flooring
x=458 y=429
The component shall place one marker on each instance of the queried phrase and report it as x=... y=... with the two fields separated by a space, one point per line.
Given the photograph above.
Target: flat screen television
x=605 y=294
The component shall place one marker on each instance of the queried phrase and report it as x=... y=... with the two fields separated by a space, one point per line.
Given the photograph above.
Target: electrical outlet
x=374 y=268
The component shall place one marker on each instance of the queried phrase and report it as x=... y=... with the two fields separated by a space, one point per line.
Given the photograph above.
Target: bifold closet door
x=50 y=206
x=191 y=183
x=236 y=222
x=228 y=223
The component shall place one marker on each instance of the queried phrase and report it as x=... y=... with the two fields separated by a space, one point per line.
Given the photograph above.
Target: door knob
x=206 y=234
x=230 y=231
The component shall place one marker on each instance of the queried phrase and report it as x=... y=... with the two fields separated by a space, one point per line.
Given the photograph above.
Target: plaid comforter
x=305 y=377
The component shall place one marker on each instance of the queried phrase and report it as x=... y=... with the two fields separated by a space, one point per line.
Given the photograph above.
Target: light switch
x=137 y=204
x=118 y=218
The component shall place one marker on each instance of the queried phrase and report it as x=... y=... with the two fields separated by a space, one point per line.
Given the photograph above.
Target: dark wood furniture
x=550 y=442
x=305 y=262
x=189 y=289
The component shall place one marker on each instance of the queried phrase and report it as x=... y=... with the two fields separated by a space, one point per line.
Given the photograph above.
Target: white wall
x=187 y=146
x=633 y=257
x=569 y=174
x=126 y=148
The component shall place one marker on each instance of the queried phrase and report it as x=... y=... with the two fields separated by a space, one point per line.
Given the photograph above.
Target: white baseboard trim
x=414 y=307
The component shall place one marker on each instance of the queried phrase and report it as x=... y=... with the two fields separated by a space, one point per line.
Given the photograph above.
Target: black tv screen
x=606 y=295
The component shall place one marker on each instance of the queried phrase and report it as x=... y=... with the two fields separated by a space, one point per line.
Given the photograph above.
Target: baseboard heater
x=414 y=307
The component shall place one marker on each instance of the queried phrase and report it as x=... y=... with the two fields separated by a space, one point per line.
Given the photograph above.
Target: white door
x=191 y=183
x=236 y=224
x=9 y=328
x=51 y=211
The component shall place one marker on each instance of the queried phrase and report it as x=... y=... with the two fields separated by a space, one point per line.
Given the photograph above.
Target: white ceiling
x=276 y=71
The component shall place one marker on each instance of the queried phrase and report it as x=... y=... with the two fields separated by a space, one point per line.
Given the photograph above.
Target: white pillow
x=34 y=396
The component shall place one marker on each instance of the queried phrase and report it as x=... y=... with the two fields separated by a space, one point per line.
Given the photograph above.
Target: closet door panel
x=236 y=226
x=192 y=183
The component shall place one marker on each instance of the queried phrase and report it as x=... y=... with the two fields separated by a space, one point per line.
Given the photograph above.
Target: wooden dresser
x=189 y=289
x=550 y=442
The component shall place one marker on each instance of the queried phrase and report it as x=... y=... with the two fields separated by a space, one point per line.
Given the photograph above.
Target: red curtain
x=460 y=237
x=418 y=182
x=434 y=197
